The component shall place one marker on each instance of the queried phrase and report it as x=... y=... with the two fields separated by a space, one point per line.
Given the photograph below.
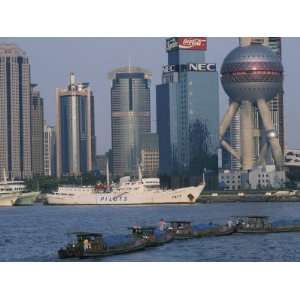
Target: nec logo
x=190 y=68
x=202 y=67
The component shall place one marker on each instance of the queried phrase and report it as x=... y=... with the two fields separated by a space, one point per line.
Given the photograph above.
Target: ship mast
x=203 y=176
x=140 y=172
x=107 y=175
x=4 y=176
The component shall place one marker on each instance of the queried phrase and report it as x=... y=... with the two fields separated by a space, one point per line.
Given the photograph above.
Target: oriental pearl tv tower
x=251 y=76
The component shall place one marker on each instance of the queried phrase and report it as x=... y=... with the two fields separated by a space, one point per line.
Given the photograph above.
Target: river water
x=35 y=233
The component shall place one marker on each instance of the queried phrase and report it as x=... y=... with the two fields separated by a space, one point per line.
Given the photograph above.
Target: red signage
x=187 y=43
x=192 y=43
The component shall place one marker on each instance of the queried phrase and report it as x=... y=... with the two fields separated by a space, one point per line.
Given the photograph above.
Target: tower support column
x=271 y=133
x=247 y=144
x=231 y=111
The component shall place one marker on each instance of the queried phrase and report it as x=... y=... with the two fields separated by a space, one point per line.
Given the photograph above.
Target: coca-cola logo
x=192 y=43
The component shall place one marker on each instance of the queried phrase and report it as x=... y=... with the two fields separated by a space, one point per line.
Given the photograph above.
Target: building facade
x=101 y=160
x=292 y=157
x=262 y=177
x=130 y=117
x=187 y=104
x=275 y=105
x=49 y=151
x=149 y=155
x=15 y=112
x=229 y=180
x=37 y=131
x=75 y=129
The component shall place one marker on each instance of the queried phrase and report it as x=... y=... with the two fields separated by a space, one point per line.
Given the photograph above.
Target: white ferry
x=13 y=192
x=127 y=192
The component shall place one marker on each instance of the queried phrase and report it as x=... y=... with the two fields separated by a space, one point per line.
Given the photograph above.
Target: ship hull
x=8 y=200
x=187 y=195
x=27 y=198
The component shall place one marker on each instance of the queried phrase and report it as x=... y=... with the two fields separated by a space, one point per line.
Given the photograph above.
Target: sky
x=52 y=59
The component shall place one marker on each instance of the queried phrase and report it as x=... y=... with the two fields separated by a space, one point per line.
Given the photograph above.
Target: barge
x=152 y=235
x=93 y=245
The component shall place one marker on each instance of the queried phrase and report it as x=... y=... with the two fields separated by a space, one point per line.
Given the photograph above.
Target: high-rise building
x=130 y=117
x=15 y=112
x=101 y=160
x=187 y=103
x=275 y=106
x=75 y=130
x=149 y=155
x=49 y=151
x=37 y=131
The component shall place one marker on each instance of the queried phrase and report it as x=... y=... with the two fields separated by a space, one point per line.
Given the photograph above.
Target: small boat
x=93 y=245
x=152 y=235
x=185 y=229
x=261 y=224
x=252 y=224
x=180 y=229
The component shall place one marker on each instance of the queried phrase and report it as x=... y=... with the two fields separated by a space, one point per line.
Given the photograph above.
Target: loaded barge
x=94 y=245
x=261 y=224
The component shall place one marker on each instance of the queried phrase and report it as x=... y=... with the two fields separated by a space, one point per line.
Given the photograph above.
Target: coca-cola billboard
x=187 y=43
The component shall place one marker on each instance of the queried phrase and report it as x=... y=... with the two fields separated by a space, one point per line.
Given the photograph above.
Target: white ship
x=13 y=192
x=127 y=192
x=8 y=199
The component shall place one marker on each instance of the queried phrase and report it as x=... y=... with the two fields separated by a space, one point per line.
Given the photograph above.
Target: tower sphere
x=252 y=72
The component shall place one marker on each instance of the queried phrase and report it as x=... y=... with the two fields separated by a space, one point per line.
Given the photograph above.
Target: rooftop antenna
x=129 y=64
x=72 y=78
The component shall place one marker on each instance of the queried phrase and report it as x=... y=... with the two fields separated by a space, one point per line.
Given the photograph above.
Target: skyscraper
x=75 y=130
x=187 y=103
x=275 y=105
x=15 y=111
x=49 y=151
x=37 y=131
x=130 y=117
x=149 y=155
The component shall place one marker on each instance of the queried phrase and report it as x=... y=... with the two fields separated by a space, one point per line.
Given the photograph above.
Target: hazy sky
x=52 y=59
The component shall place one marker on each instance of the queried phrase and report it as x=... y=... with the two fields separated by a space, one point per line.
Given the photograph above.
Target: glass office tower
x=37 y=131
x=15 y=112
x=187 y=103
x=75 y=130
x=130 y=117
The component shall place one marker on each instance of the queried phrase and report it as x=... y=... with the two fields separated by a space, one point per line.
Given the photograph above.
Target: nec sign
x=190 y=68
x=202 y=67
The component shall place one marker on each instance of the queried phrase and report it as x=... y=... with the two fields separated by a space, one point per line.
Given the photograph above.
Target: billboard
x=204 y=67
x=186 y=43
